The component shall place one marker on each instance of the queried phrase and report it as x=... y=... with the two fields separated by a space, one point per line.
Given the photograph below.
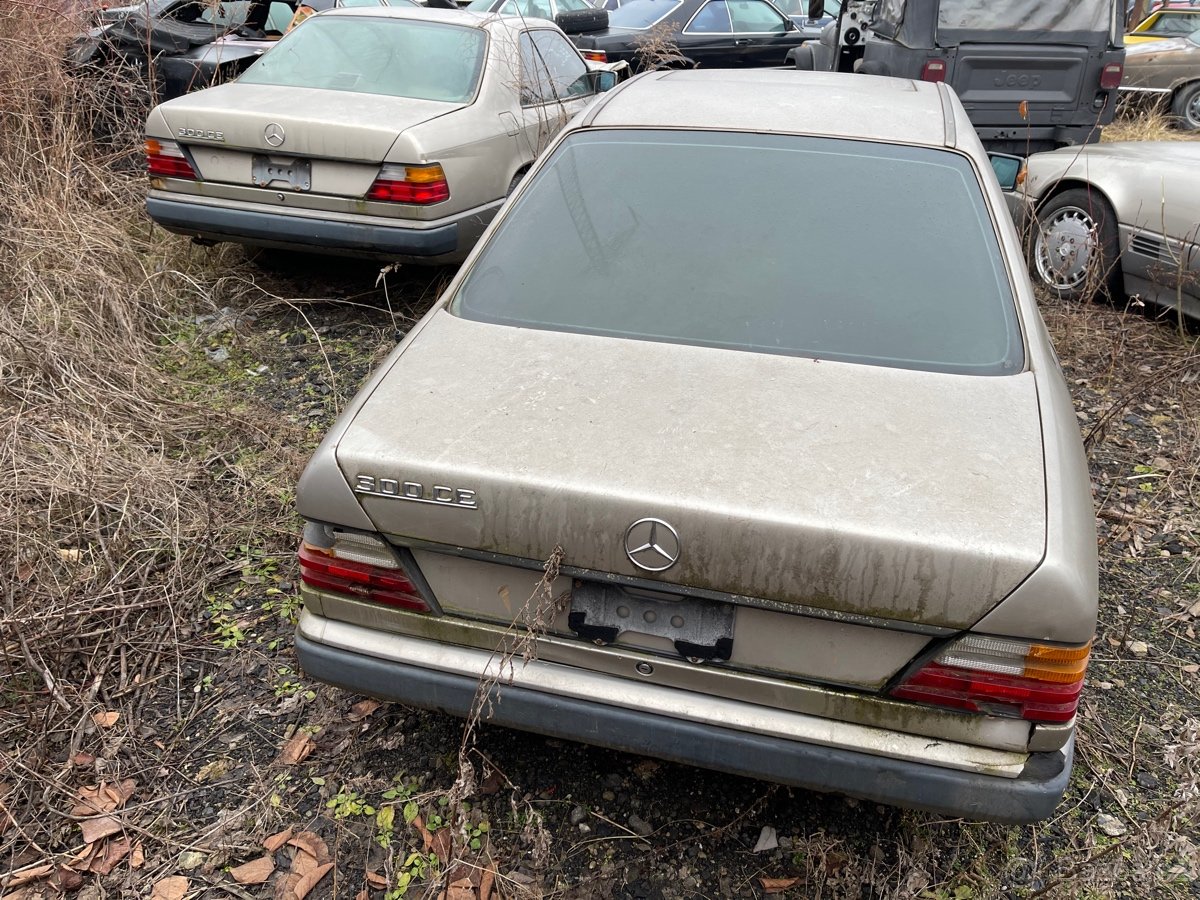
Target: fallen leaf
x=211 y=771
x=362 y=709
x=106 y=719
x=312 y=844
x=254 y=872
x=459 y=890
x=297 y=749
x=67 y=879
x=362 y=895
x=100 y=827
x=441 y=844
x=1191 y=669
x=303 y=862
x=103 y=798
x=309 y=881
x=174 y=887
x=114 y=852
x=486 y=881
x=82 y=759
x=767 y=840
x=491 y=784
x=777 y=885
x=275 y=841
x=426 y=837
x=138 y=857
x=28 y=875
x=375 y=880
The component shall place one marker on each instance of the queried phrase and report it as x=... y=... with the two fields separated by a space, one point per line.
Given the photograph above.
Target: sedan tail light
x=934 y=70
x=410 y=184
x=359 y=566
x=1001 y=676
x=595 y=55
x=1110 y=76
x=166 y=159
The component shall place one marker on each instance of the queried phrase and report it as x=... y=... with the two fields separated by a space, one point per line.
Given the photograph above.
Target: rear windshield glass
x=375 y=55
x=803 y=246
x=1026 y=15
x=641 y=13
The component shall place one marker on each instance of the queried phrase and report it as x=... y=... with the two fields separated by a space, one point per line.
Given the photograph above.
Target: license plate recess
x=699 y=629
x=266 y=171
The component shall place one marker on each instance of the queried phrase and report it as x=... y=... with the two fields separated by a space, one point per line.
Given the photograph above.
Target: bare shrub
x=120 y=488
x=656 y=49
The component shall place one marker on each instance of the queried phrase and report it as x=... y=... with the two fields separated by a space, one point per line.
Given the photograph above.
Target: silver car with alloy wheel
x=384 y=132
x=1119 y=219
x=817 y=517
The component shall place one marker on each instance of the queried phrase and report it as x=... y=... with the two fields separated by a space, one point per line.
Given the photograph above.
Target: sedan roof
x=436 y=14
x=790 y=101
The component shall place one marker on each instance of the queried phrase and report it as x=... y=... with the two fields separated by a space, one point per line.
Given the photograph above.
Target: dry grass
x=118 y=495
x=1146 y=124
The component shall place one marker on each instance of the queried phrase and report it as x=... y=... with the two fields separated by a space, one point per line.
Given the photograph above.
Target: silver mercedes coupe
x=751 y=359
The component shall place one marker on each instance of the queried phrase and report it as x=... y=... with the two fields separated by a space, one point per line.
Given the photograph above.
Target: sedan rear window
x=815 y=247
x=376 y=55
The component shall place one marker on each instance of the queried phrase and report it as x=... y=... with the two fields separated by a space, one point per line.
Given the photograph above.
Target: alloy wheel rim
x=1065 y=248
x=1193 y=110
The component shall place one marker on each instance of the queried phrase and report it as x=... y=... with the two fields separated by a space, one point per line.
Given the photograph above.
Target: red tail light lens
x=1110 y=76
x=362 y=581
x=1000 y=676
x=594 y=55
x=165 y=159
x=934 y=70
x=420 y=185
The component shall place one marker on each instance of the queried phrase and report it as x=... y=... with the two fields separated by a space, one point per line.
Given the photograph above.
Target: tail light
x=355 y=565
x=166 y=159
x=595 y=55
x=1001 y=676
x=934 y=70
x=1110 y=76
x=410 y=184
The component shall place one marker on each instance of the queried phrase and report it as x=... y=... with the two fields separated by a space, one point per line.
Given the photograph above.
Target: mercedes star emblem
x=652 y=544
x=274 y=134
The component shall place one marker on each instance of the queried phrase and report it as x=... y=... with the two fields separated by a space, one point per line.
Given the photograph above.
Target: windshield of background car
x=1026 y=15
x=377 y=55
x=815 y=247
x=641 y=13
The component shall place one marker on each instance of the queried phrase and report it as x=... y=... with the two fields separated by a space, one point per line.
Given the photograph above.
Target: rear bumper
x=1029 y=797
x=439 y=242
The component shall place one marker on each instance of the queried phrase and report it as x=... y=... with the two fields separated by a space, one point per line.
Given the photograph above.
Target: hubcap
x=1065 y=248
x=1193 y=110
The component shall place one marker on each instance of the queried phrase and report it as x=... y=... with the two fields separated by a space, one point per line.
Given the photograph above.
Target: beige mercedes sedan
x=391 y=133
x=759 y=352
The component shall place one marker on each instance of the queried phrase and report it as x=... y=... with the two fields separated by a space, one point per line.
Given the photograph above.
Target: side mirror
x=1008 y=169
x=604 y=81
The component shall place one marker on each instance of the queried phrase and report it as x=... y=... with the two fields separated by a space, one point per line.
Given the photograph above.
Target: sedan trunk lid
x=856 y=489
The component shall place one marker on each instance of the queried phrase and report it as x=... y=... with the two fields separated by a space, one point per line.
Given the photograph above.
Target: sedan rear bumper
x=1029 y=797
x=206 y=221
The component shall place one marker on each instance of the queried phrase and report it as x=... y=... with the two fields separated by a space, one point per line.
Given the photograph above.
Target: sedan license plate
x=295 y=173
x=700 y=629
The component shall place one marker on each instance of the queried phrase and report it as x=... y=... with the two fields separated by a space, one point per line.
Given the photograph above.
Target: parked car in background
x=1166 y=20
x=1118 y=218
x=1032 y=74
x=637 y=378
x=796 y=10
x=392 y=133
x=686 y=33
x=1167 y=73
x=572 y=16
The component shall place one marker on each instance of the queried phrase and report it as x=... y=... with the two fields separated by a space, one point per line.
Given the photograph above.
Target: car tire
x=1074 y=251
x=1185 y=107
x=516 y=180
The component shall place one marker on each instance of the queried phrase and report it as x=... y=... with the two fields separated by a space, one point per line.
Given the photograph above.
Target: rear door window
x=890 y=258
x=755 y=17
x=713 y=18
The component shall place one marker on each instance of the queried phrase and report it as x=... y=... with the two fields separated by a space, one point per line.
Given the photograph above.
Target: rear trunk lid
x=328 y=129
x=855 y=489
x=1049 y=78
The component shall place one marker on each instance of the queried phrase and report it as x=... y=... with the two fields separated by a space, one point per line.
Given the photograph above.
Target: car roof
x=892 y=110
x=436 y=14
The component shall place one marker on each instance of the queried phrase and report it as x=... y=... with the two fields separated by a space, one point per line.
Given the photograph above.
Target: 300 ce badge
x=394 y=489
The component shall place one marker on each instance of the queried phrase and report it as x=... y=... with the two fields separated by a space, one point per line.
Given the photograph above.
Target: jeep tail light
x=410 y=184
x=1003 y=677
x=1110 y=76
x=595 y=55
x=934 y=70
x=165 y=159
x=360 y=566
